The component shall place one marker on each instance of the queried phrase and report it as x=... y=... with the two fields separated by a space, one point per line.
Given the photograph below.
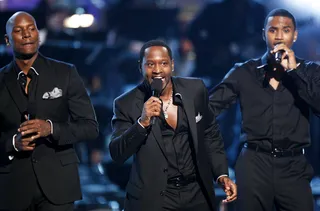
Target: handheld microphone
x=278 y=56
x=156 y=87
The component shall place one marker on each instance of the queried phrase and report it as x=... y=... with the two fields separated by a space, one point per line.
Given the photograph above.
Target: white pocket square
x=198 y=118
x=55 y=93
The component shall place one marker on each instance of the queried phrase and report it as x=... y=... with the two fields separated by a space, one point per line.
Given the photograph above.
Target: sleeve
x=6 y=144
x=127 y=136
x=307 y=80
x=82 y=124
x=214 y=143
x=225 y=93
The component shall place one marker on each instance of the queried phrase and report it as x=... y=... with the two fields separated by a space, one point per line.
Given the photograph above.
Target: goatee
x=22 y=56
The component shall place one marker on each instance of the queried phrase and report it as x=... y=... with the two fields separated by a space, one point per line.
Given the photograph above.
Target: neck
x=167 y=92
x=25 y=64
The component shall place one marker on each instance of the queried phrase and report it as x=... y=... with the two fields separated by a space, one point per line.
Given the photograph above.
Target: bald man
x=44 y=110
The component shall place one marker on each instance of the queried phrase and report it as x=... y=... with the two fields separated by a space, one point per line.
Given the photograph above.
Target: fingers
x=234 y=193
x=283 y=47
x=28 y=131
x=40 y=127
x=288 y=57
x=152 y=107
x=25 y=144
x=231 y=192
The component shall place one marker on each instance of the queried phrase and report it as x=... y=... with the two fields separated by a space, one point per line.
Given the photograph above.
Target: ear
x=263 y=34
x=172 y=65
x=6 y=39
x=295 y=37
x=139 y=66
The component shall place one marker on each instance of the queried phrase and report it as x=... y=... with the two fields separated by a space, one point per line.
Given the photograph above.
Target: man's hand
x=229 y=187
x=29 y=131
x=288 y=61
x=152 y=107
x=35 y=128
x=23 y=143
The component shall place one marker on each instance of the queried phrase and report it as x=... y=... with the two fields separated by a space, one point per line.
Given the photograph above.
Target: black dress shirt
x=177 y=143
x=271 y=118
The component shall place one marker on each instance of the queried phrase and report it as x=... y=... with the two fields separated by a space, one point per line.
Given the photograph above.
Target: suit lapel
x=188 y=104
x=14 y=88
x=156 y=132
x=46 y=79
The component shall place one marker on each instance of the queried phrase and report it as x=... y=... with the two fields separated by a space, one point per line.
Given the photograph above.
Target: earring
x=8 y=44
x=172 y=70
x=294 y=40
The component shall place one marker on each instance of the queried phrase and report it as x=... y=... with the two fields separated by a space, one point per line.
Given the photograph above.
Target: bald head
x=11 y=20
x=22 y=35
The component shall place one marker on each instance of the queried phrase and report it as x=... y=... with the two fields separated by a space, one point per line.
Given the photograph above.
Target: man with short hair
x=176 y=158
x=275 y=93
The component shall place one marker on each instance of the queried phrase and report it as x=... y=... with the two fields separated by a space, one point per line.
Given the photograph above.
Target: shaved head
x=11 y=20
x=22 y=35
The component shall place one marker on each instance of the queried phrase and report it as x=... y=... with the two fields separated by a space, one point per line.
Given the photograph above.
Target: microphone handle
x=153 y=120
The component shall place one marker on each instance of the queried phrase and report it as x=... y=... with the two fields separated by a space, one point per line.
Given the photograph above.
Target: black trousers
x=265 y=182
x=185 y=198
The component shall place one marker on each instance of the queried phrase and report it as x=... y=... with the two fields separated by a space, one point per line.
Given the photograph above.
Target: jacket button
x=165 y=170
x=161 y=193
x=34 y=160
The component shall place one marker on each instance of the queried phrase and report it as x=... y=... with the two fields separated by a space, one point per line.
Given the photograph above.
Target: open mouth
x=158 y=77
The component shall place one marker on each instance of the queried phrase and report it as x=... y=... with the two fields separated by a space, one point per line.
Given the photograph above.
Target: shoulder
x=311 y=66
x=4 y=70
x=128 y=97
x=240 y=68
x=188 y=81
x=57 y=63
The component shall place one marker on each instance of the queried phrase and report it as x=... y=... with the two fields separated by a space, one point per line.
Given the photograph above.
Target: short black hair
x=282 y=13
x=151 y=43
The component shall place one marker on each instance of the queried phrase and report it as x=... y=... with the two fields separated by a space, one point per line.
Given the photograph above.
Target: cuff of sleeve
x=223 y=175
x=51 y=126
x=56 y=132
x=140 y=123
x=142 y=129
x=15 y=148
x=13 y=143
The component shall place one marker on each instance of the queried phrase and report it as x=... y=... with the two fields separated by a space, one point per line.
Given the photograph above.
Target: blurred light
x=304 y=8
x=79 y=21
x=98 y=3
x=80 y=10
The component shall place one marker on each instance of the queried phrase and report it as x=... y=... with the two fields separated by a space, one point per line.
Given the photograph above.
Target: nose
x=26 y=34
x=157 y=69
x=279 y=35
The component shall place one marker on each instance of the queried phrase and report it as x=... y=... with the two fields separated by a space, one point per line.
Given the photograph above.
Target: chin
x=24 y=55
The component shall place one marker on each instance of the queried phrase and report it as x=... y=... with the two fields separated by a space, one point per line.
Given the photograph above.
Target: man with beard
x=275 y=93
x=176 y=157
x=44 y=110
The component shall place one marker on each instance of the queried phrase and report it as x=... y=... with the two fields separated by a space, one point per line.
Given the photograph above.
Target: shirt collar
x=34 y=68
x=177 y=97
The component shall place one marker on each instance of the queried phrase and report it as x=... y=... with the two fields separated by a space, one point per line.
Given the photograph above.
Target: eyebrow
x=19 y=26
x=275 y=27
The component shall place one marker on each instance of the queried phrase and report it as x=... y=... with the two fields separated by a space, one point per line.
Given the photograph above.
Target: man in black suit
x=44 y=110
x=176 y=158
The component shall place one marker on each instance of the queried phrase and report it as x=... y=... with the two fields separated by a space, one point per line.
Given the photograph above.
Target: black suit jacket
x=148 y=178
x=53 y=161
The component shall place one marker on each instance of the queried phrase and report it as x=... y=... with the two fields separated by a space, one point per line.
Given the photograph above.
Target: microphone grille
x=156 y=85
